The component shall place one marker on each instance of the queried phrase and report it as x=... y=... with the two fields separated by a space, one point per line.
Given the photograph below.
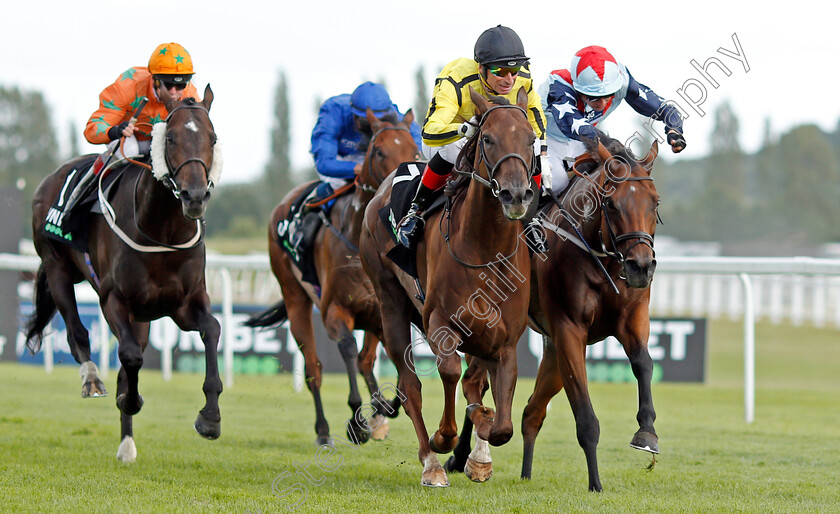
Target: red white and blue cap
x=595 y=72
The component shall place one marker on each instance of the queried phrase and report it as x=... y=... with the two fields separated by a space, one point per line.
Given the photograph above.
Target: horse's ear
x=481 y=104
x=408 y=119
x=522 y=98
x=167 y=100
x=604 y=155
x=373 y=120
x=647 y=162
x=208 y=97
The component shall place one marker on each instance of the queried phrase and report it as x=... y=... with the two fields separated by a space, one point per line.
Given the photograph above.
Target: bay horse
x=594 y=282
x=149 y=265
x=347 y=301
x=482 y=244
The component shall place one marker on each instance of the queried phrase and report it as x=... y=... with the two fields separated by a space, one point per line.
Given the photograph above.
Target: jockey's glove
x=115 y=132
x=676 y=140
x=468 y=128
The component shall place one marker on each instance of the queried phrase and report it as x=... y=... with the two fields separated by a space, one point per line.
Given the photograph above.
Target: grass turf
x=57 y=451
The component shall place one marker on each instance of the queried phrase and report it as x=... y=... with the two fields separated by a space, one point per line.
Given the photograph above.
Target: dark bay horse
x=150 y=265
x=475 y=276
x=612 y=209
x=347 y=301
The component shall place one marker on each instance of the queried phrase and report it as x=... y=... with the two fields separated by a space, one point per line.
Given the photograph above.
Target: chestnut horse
x=482 y=244
x=149 y=265
x=347 y=301
x=593 y=283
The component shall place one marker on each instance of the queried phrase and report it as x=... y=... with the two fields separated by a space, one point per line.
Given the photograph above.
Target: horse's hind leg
x=60 y=287
x=382 y=409
x=548 y=384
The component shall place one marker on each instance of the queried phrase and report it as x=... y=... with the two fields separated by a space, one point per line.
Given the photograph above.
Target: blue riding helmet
x=373 y=96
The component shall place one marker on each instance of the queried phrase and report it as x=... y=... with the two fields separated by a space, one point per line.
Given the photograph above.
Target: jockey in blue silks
x=338 y=142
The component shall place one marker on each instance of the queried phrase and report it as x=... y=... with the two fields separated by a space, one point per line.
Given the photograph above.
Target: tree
x=28 y=146
x=421 y=104
x=810 y=185
x=278 y=179
x=722 y=199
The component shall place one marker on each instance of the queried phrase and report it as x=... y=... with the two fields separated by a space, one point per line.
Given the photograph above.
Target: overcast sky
x=71 y=50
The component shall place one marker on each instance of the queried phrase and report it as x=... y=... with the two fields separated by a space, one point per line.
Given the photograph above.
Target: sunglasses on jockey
x=503 y=71
x=596 y=98
x=177 y=85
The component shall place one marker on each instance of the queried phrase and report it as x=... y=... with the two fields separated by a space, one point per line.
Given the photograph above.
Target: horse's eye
x=379 y=154
x=170 y=139
x=486 y=140
x=213 y=139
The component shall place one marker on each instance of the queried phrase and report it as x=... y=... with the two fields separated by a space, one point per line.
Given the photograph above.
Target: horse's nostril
x=529 y=195
x=185 y=195
x=506 y=197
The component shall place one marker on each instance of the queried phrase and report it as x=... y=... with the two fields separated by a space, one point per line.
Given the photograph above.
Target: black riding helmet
x=500 y=46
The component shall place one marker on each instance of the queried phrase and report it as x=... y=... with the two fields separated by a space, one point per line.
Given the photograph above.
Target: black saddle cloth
x=403 y=189
x=73 y=227
x=297 y=240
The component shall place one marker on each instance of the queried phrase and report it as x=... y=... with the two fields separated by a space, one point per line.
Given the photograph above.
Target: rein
x=491 y=182
x=620 y=258
x=168 y=181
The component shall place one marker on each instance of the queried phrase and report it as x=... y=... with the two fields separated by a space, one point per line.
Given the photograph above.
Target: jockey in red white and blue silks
x=336 y=138
x=575 y=100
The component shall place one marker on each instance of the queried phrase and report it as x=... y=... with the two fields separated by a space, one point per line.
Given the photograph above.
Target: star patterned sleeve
x=647 y=103
x=562 y=107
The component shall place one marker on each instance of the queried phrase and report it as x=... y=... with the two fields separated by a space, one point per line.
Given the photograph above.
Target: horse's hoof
x=94 y=389
x=645 y=441
x=381 y=429
x=453 y=465
x=478 y=471
x=127 y=452
x=206 y=428
x=433 y=473
x=322 y=440
x=356 y=433
x=132 y=409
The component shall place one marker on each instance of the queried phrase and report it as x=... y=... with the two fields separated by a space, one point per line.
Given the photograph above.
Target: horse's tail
x=274 y=315
x=43 y=311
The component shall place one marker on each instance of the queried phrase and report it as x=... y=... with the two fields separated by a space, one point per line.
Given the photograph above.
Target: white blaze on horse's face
x=191 y=126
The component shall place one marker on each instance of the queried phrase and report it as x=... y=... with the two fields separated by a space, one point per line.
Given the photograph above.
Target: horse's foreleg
x=129 y=351
x=127 y=451
x=642 y=365
x=208 y=424
x=474 y=384
x=446 y=437
x=503 y=383
x=548 y=383
x=350 y=353
x=381 y=407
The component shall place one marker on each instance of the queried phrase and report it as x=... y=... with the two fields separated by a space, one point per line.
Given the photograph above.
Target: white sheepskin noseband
x=159 y=168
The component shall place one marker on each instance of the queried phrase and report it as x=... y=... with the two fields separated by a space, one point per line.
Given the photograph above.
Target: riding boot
x=83 y=186
x=407 y=227
x=319 y=194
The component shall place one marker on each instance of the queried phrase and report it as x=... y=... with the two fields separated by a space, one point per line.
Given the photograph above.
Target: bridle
x=361 y=185
x=641 y=236
x=491 y=182
x=169 y=178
